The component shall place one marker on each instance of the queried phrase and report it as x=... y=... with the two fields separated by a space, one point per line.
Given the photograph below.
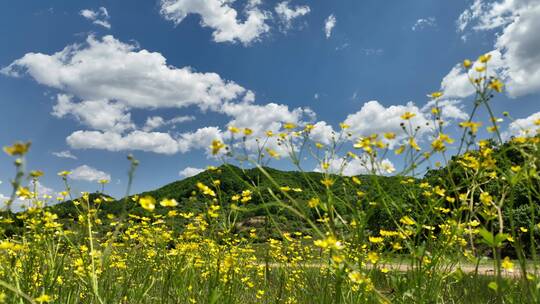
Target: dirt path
x=483 y=270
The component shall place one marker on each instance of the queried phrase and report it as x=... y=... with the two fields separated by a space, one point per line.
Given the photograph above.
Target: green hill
x=232 y=181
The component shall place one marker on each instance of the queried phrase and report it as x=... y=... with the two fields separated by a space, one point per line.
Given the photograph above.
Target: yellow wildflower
x=507 y=264
x=330 y=242
x=328 y=182
x=484 y=58
x=18 y=148
x=24 y=193
x=168 y=202
x=289 y=126
x=356 y=277
x=406 y=220
x=43 y=299
x=413 y=144
x=314 y=202
x=390 y=135
x=147 y=202
x=496 y=85
x=373 y=257
x=375 y=239
x=216 y=146
x=407 y=115
x=272 y=153
x=64 y=173
x=436 y=95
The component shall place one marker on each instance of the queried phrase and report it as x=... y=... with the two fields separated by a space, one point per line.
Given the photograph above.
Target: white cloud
x=65 y=154
x=373 y=52
x=424 y=23
x=104 y=79
x=221 y=17
x=155 y=122
x=287 y=14
x=528 y=126
x=89 y=174
x=456 y=84
x=200 y=139
x=180 y=119
x=487 y=15
x=157 y=142
x=100 y=17
x=108 y=69
x=329 y=25
x=520 y=45
x=451 y=109
x=517 y=43
x=323 y=133
x=189 y=172
x=98 y=114
x=357 y=166
x=262 y=118
x=374 y=118
x=343 y=46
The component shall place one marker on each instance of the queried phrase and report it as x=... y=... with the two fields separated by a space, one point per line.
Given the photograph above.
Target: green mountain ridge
x=233 y=181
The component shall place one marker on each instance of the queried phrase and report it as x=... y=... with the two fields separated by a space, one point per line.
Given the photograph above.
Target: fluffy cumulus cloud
x=424 y=23
x=323 y=133
x=89 y=174
x=221 y=17
x=451 y=109
x=157 y=142
x=108 y=69
x=262 y=118
x=156 y=122
x=329 y=25
x=517 y=44
x=357 y=166
x=287 y=14
x=189 y=171
x=98 y=114
x=103 y=80
x=199 y=139
x=374 y=118
x=64 y=154
x=98 y=17
x=528 y=126
x=456 y=84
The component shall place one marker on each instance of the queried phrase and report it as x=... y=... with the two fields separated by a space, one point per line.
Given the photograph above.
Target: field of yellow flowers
x=452 y=238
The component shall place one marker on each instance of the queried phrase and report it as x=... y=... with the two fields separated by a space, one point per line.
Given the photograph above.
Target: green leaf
x=214 y=296
x=493 y=285
x=500 y=238
x=487 y=236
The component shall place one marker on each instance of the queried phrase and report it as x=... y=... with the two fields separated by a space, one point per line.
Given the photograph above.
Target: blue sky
x=389 y=52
